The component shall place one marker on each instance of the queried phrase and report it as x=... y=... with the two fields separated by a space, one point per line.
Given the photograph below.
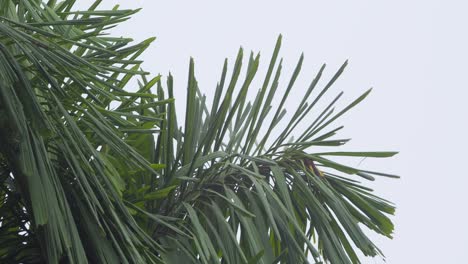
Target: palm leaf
x=252 y=197
x=61 y=197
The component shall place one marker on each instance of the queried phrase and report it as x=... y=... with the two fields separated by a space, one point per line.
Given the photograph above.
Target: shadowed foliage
x=95 y=168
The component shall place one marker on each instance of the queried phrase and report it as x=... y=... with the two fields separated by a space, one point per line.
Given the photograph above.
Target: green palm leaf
x=250 y=197
x=58 y=79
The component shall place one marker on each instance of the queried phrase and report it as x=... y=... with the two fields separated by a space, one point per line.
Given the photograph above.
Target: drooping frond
x=59 y=77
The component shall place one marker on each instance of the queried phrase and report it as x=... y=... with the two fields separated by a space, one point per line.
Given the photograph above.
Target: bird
x=311 y=165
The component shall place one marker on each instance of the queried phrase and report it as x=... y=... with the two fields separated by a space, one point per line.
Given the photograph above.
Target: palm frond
x=58 y=80
x=244 y=196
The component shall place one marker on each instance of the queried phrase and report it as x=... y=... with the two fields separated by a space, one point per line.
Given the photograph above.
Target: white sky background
x=413 y=53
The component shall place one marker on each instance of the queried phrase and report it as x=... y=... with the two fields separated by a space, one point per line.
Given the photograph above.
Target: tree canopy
x=95 y=167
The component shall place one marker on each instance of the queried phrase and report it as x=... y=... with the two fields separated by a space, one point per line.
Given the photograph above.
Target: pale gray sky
x=413 y=53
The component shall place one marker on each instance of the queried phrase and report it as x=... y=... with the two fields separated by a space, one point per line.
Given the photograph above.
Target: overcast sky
x=413 y=53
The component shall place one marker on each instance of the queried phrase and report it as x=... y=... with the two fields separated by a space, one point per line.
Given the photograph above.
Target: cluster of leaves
x=252 y=197
x=92 y=172
x=58 y=78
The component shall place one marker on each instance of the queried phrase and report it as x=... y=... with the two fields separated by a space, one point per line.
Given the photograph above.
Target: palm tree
x=92 y=172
